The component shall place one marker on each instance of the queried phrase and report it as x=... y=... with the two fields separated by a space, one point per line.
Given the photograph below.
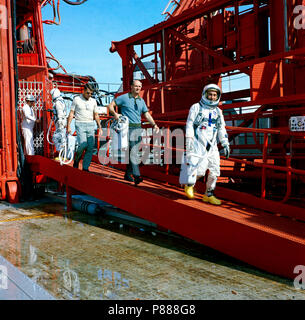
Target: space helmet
x=55 y=93
x=205 y=99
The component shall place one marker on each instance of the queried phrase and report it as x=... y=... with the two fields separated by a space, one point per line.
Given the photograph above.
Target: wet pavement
x=79 y=256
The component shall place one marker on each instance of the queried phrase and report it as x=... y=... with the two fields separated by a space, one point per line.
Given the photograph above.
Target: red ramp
x=270 y=242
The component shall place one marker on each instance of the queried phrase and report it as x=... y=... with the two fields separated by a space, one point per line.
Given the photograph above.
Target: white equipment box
x=297 y=123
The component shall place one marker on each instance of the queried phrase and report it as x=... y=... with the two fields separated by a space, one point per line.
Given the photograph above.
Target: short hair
x=89 y=86
x=133 y=81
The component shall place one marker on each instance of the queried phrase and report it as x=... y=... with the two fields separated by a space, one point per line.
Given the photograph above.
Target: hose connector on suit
x=66 y=153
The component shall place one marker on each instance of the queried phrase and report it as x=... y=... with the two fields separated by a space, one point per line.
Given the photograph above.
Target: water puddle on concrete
x=78 y=256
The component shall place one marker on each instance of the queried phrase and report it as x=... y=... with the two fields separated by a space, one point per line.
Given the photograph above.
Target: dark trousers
x=134 y=138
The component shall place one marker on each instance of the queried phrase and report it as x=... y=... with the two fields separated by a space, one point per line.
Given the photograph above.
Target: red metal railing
x=264 y=158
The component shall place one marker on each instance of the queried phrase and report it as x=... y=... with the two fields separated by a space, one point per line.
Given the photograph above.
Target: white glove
x=226 y=149
x=189 y=145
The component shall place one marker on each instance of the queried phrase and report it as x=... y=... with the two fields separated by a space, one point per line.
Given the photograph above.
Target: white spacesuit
x=204 y=124
x=60 y=119
x=27 y=125
x=119 y=134
x=59 y=107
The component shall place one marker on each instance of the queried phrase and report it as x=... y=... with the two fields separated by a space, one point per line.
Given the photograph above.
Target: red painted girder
x=8 y=143
x=239 y=66
x=142 y=67
x=268 y=242
x=37 y=17
x=275 y=207
x=183 y=5
x=187 y=15
x=293 y=98
x=26 y=71
x=70 y=82
x=290 y=99
x=245 y=93
x=265 y=114
x=202 y=48
x=12 y=191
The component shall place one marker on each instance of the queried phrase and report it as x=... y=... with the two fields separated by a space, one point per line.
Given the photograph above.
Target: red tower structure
x=210 y=41
x=200 y=41
x=25 y=70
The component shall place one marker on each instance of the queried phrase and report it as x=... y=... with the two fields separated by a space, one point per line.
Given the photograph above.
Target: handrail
x=264 y=165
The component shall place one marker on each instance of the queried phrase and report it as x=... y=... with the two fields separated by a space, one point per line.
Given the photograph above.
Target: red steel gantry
x=214 y=41
x=200 y=42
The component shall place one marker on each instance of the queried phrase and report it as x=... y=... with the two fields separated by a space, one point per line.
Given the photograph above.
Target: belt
x=134 y=125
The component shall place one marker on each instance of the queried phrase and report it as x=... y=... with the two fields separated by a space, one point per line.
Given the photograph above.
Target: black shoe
x=128 y=177
x=137 y=179
x=75 y=164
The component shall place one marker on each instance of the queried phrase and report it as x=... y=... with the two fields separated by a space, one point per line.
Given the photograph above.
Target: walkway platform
x=270 y=242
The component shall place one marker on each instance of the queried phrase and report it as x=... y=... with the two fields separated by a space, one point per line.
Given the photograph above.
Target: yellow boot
x=212 y=200
x=189 y=191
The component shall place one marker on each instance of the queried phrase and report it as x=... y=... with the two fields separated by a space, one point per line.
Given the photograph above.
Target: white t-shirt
x=84 y=109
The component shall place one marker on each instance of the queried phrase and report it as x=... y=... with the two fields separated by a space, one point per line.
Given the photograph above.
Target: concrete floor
x=79 y=256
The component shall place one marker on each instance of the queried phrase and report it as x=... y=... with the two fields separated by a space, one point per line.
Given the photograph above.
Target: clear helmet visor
x=211 y=95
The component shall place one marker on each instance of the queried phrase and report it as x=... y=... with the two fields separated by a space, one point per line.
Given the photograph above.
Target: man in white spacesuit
x=60 y=109
x=60 y=118
x=204 y=124
x=27 y=124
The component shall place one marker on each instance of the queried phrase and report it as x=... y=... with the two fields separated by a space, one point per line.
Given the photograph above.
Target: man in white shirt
x=27 y=125
x=85 y=110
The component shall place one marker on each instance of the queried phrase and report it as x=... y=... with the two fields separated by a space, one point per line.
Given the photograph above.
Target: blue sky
x=82 y=41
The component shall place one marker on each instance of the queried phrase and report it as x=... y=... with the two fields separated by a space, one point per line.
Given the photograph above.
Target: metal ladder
x=170 y=8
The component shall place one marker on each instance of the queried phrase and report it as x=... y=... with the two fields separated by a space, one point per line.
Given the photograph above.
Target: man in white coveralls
x=27 y=125
x=204 y=124
x=59 y=107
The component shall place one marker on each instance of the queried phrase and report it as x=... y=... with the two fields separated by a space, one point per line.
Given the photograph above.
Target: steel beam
x=202 y=48
x=142 y=67
x=187 y=15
